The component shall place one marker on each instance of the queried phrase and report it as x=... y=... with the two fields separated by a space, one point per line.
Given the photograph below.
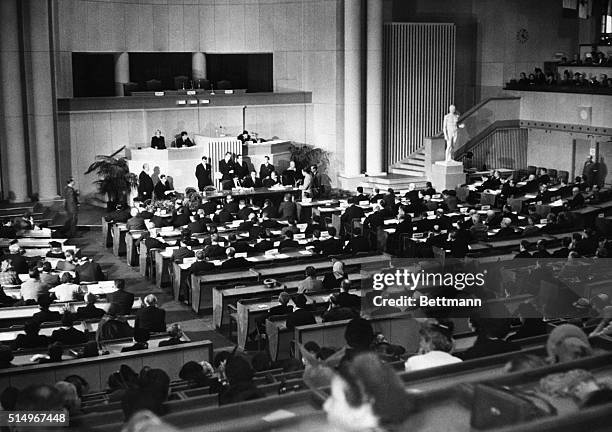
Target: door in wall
x=582 y=150
x=605 y=162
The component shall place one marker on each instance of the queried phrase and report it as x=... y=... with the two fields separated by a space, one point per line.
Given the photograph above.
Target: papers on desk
x=241 y=254
x=305 y=252
x=557 y=203
x=453 y=214
x=302 y=227
x=282 y=256
x=190 y=260
x=390 y=230
x=272 y=251
x=364 y=203
x=391 y=221
x=276 y=244
x=302 y=241
x=530 y=196
x=253 y=259
x=217 y=262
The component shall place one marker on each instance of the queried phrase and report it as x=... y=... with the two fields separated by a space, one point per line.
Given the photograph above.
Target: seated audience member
x=283 y=307
x=567 y=342
x=136 y=222
x=334 y=279
x=530 y=229
x=357 y=244
x=233 y=262
x=89 y=271
x=252 y=181
x=564 y=251
x=112 y=327
x=270 y=181
x=90 y=311
x=151 y=317
x=67 y=334
x=67 y=264
x=90 y=349
x=201 y=375
x=300 y=315
x=33 y=287
x=367 y=395
x=201 y=265
x=30 y=338
x=54 y=354
x=311 y=283
x=214 y=250
x=162 y=188
x=69 y=397
x=180 y=217
x=541 y=251
x=337 y=312
x=122 y=298
x=291 y=175
x=346 y=299
x=269 y=211
x=18 y=261
x=331 y=246
x=120 y=215
x=150 y=393
x=46 y=315
x=359 y=337
x=435 y=346
x=577 y=199
x=141 y=340
x=524 y=362
x=5 y=299
x=490 y=340
x=197 y=223
x=240 y=246
x=523 y=250
x=6 y=357
x=67 y=290
x=8 y=276
x=532 y=323
x=175 y=334
x=240 y=377
x=47 y=276
x=351 y=213
x=244 y=210
x=55 y=250
x=183 y=141
x=478 y=230
x=288 y=243
x=505 y=229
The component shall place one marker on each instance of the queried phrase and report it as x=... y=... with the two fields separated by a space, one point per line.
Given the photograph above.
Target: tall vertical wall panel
x=419 y=85
x=504 y=148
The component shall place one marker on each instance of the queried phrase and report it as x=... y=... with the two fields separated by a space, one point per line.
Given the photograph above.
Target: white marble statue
x=450 y=128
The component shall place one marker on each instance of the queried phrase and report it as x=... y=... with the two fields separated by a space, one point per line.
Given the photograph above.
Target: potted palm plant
x=114 y=179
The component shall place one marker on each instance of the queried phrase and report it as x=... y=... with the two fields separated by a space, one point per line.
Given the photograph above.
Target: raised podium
x=180 y=163
x=447 y=174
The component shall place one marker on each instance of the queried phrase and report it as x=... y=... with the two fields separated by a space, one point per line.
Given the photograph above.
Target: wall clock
x=522 y=36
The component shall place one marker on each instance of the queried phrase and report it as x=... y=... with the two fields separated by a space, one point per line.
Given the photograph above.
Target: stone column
x=353 y=120
x=374 y=96
x=12 y=131
x=41 y=96
x=198 y=65
x=122 y=72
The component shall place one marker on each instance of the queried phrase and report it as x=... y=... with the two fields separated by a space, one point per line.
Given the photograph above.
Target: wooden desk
x=119 y=231
x=107 y=238
x=27 y=243
x=224 y=296
x=131 y=247
x=201 y=286
x=96 y=370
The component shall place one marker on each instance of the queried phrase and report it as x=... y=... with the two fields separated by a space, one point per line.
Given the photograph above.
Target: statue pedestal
x=447 y=174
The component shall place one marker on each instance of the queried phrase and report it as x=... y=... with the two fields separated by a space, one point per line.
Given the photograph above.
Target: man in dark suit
x=68 y=335
x=357 y=244
x=45 y=315
x=577 y=200
x=283 y=307
x=252 y=182
x=287 y=209
x=180 y=217
x=204 y=174
x=183 y=141
x=300 y=316
x=201 y=265
x=160 y=189
x=123 y=299
x=136 y=222
x=234 y=263
x=332 y=245
x=121 y=214
x=264 y=245
x=151 y=317
x=564 y=251
x=266 y=168
x=145 y=184
x=360 y=195
x=347 y=299
x=288 y=243
x=71 y=205
x=18 y=261
x=244 y=137
x=523 y=250
x=230 y=206
x=353 y=211
x=89 y=271
x=241 y=168
x=197 y=224
x=90 y=311
x=244 y=210
x=226 y=167
x=209 y=207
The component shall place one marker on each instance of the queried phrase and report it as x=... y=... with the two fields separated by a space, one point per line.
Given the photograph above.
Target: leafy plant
x=114 y=177
x=305 y=155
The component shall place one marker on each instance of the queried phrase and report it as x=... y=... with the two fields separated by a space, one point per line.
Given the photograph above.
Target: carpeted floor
x=196 y=327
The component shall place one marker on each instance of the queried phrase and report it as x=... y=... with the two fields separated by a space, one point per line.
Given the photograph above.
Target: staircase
x=401 y=175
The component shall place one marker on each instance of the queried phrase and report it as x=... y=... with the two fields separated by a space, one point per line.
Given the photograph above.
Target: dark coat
x=203 y=174
x=69 y=336
x=145 y=186
x=300 y=317
x=151 y=318
x=90 y=311
x=124 y=299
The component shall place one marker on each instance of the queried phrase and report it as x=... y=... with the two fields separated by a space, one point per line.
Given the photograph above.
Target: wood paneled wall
x=83 y=135
x=419 y=84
